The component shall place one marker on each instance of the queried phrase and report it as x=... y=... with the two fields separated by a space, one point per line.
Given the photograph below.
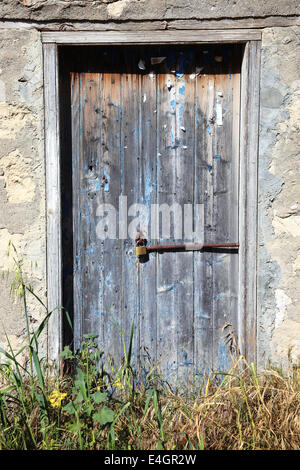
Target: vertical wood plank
x=148 y=178
x=184 y=294
x=234 y=185
x=91 y=195
x=130 y=188
x=77 y=234
x=250 y=76
x=203 y=266
x=112 y=249
x=167 y=280
x=52 y=150
x=225 y=219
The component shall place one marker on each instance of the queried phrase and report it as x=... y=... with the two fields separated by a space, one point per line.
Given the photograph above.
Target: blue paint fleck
x=217 y=157
x=106 y=187
x=172 y=104
x=172 y=138
x=182 y=90
x=180 y=111
x=209 y=130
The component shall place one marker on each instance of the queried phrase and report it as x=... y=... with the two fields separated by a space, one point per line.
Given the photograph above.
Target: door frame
x=248 y=165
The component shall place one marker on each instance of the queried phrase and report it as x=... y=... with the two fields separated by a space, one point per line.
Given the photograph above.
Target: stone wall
x=22 y=180
x=279 y=197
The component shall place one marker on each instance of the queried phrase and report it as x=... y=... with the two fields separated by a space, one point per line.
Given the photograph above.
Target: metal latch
x=142 y=250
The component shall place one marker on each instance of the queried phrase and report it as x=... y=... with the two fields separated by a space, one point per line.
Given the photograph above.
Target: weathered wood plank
x=184 y=141
x=91 y=197
x=167 y=280
x=131 y=151
x=148 y=186
x=147 y=37
x=111 y=179
x=222 y=188
x=234 y=184
x=76 y=154
x=52 y=149
x=89 y=184
x=248 y=198
x=203 y=261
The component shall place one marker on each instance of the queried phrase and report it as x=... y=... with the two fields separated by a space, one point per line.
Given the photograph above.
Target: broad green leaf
x=89 y=409
x=99 y=397
x=81 y=383
x=79 y=398
x=66 y=353
x=69 y=408
x=90 y=336
x=104 y=416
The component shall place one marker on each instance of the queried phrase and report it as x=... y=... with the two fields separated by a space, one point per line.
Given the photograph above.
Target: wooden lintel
x=151 y=37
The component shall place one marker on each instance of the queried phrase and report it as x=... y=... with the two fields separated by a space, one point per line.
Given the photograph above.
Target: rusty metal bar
x=143 y=250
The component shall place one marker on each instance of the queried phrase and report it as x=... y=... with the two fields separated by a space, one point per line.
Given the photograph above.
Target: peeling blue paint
x=186 y=362
x=172 y=138
x=164 y=289
x=106 y=187
x=180 y=112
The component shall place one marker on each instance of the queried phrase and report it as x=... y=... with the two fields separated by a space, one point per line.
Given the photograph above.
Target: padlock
x=140 y=250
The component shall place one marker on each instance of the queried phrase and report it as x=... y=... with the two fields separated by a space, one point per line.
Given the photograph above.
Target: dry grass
x=241 y=410
x=246 y=411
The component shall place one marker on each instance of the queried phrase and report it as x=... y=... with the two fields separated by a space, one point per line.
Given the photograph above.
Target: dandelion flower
x=56 y=398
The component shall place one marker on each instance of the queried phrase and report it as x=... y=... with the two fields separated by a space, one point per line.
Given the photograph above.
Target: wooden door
x=159 y=125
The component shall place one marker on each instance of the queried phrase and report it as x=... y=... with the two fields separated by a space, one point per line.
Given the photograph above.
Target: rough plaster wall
x=22 y=182
x=142 y=10
x=279 y=198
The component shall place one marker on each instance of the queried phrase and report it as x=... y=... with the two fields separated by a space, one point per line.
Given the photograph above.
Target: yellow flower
x=56 y=398
x=118 y=383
